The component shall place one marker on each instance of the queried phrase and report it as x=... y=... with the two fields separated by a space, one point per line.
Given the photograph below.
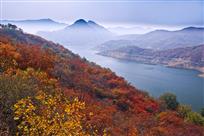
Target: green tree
x=183 y=110
x=170 y=100
x=202 y=112
x=195 y=118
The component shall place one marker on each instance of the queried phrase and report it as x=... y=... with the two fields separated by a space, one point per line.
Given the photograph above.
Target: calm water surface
x=155 y=79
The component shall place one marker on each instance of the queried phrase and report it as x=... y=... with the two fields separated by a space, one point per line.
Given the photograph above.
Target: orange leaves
x=99 y=116
x=8 y=56
x=24 y=56
x=169 y=123
x=36 y=57
x=7 y=50
x=168 y=118
x=113 y=83
x=4 y=39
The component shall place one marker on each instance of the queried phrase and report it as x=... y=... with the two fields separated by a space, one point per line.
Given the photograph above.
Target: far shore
x=200 y=69
x=202 y=72
x=201 y=75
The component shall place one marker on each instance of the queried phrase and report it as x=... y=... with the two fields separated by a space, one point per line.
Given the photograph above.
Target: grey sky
x=147 y=12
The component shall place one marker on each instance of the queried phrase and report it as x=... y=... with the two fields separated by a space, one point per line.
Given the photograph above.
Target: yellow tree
x=49 y=115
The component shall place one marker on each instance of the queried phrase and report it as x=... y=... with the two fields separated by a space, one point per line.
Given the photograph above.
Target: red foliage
x=36 y=57
x=111 y=102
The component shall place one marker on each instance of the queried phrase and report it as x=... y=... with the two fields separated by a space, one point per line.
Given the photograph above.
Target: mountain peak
x=80 y=22
x=92 y=22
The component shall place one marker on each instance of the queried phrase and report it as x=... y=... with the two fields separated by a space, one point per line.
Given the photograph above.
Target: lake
x=155 y=79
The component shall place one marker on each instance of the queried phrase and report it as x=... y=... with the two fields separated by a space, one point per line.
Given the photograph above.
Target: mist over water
x=34 y=29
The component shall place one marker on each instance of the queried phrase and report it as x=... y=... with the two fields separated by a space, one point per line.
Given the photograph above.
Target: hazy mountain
x=163 y=39
x=80 y=32
x=37 y=21
x=188 y=57
x=32 y=26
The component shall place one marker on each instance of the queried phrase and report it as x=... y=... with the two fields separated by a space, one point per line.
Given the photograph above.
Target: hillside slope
x=112 y=105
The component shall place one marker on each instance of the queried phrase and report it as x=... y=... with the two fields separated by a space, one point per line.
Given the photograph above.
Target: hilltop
x=80 y=33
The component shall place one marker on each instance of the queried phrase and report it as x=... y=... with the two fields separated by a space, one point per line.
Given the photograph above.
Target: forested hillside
x=45 y=89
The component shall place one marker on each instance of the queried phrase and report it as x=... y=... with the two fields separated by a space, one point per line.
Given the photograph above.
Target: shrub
x=183 y=110
x=202 y=112
x=9 y=57
x=123 y=106
x=195 y=118
x=102 y=94
x=18 y=84
x=170 y=100
x=49 y=115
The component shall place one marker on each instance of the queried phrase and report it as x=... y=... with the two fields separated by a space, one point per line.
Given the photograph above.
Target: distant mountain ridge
x=81 y=32
x=47 y=20
x=193 y=28
x=164 y=39
x=34 y=25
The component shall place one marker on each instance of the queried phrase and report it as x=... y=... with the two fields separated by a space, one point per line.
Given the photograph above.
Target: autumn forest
x=46 y=90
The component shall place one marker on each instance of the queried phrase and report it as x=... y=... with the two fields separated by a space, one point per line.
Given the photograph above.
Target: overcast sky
x=155 y=12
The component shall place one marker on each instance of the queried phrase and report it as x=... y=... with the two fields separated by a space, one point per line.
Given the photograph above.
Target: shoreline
x=202 y=72
x=199 y=69
x=201 y=75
